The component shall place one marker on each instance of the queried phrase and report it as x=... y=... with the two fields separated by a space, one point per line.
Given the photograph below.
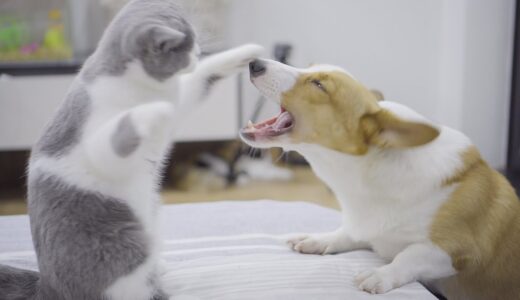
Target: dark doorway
x=513 y=161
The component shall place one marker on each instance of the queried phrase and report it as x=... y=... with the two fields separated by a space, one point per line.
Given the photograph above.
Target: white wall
x=489 y=49
x=26 y=105
x=448 y=59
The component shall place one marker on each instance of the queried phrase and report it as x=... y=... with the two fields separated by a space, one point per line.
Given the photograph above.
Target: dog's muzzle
x=257 y=68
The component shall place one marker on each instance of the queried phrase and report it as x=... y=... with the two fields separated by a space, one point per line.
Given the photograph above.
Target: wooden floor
x=304 y=187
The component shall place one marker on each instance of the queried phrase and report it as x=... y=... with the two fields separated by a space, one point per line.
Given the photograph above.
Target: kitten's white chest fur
x=112 y=97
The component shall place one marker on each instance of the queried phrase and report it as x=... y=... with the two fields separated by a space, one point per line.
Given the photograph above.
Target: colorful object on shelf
x=11 y=34
x=30 y=49
x=23 y=40
x=54 y=38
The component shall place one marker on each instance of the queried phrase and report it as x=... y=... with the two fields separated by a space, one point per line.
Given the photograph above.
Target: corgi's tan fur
x=479 y=226
x=417 y=193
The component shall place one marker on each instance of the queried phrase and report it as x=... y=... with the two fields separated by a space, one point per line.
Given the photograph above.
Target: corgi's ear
x=394 y=132
x=378 y=94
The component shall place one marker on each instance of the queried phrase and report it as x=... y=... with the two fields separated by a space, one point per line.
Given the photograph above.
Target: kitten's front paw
x=232 y=61
x=245 y=54
x=310 y=244
x=376 y=281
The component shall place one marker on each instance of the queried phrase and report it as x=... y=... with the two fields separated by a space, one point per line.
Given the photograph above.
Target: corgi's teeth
x=250 y=124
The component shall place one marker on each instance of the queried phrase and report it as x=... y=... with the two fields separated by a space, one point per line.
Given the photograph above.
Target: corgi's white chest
x=390 y=224
x=376 y=206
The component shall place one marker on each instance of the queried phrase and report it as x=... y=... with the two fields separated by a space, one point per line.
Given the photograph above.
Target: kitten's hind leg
x=134 y=140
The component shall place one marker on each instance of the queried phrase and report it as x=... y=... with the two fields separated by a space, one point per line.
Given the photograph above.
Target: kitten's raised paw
x=230 y=62
x=375 y=281
x=247 y=53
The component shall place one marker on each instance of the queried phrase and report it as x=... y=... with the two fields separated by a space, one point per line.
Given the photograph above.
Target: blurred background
x=451 y=60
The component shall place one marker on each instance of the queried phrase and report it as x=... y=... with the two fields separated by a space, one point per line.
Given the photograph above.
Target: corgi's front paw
x=310 y=244
x=376 y=281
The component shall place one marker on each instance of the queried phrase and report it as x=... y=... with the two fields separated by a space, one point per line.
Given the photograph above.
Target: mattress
x=236 y=250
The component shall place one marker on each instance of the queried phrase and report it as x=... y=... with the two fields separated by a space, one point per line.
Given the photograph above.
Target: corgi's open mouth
x=272 y=127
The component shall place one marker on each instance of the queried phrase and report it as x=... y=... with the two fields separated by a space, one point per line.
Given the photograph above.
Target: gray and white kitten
x=94 y=174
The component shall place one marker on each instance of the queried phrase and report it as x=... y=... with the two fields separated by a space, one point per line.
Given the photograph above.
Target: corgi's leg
x=195 y=86
x=416 y=262
x=325 y=243
x=134 y=140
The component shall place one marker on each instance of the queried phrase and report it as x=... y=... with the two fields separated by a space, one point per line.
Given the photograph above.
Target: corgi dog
x=417 y=193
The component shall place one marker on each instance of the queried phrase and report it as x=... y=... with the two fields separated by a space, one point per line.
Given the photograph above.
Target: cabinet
x=28 y=102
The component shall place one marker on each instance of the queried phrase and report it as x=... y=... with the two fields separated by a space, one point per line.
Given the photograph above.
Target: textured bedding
x=236 y=250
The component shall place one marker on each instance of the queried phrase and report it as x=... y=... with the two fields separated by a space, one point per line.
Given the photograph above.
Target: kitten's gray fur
x=126 y=140
x=85 y=240
x=63 y=133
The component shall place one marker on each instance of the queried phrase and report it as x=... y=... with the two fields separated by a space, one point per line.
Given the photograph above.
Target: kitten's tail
x=16 y=284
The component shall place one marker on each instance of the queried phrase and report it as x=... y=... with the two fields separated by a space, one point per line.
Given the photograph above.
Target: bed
x=235 y=250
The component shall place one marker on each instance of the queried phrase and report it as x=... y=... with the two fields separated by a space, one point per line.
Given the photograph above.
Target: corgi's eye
x=318 y=84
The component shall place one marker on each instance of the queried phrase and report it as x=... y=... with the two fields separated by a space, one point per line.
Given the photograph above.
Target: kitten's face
x=166 y=49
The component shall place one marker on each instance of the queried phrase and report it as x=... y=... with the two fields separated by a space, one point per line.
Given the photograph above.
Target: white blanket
x=236 y=250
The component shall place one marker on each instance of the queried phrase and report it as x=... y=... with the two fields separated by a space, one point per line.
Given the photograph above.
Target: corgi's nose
x=256 y=68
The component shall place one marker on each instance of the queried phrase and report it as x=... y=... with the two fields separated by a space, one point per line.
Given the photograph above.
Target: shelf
x=40 y=68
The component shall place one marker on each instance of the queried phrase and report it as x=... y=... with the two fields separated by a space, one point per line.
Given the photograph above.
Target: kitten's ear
x=165 y=39
x=395 y=132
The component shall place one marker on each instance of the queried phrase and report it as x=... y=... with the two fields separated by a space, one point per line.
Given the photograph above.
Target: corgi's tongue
x=275 y=126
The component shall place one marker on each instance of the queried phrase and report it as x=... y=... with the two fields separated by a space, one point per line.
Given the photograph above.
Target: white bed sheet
x=236 y=250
